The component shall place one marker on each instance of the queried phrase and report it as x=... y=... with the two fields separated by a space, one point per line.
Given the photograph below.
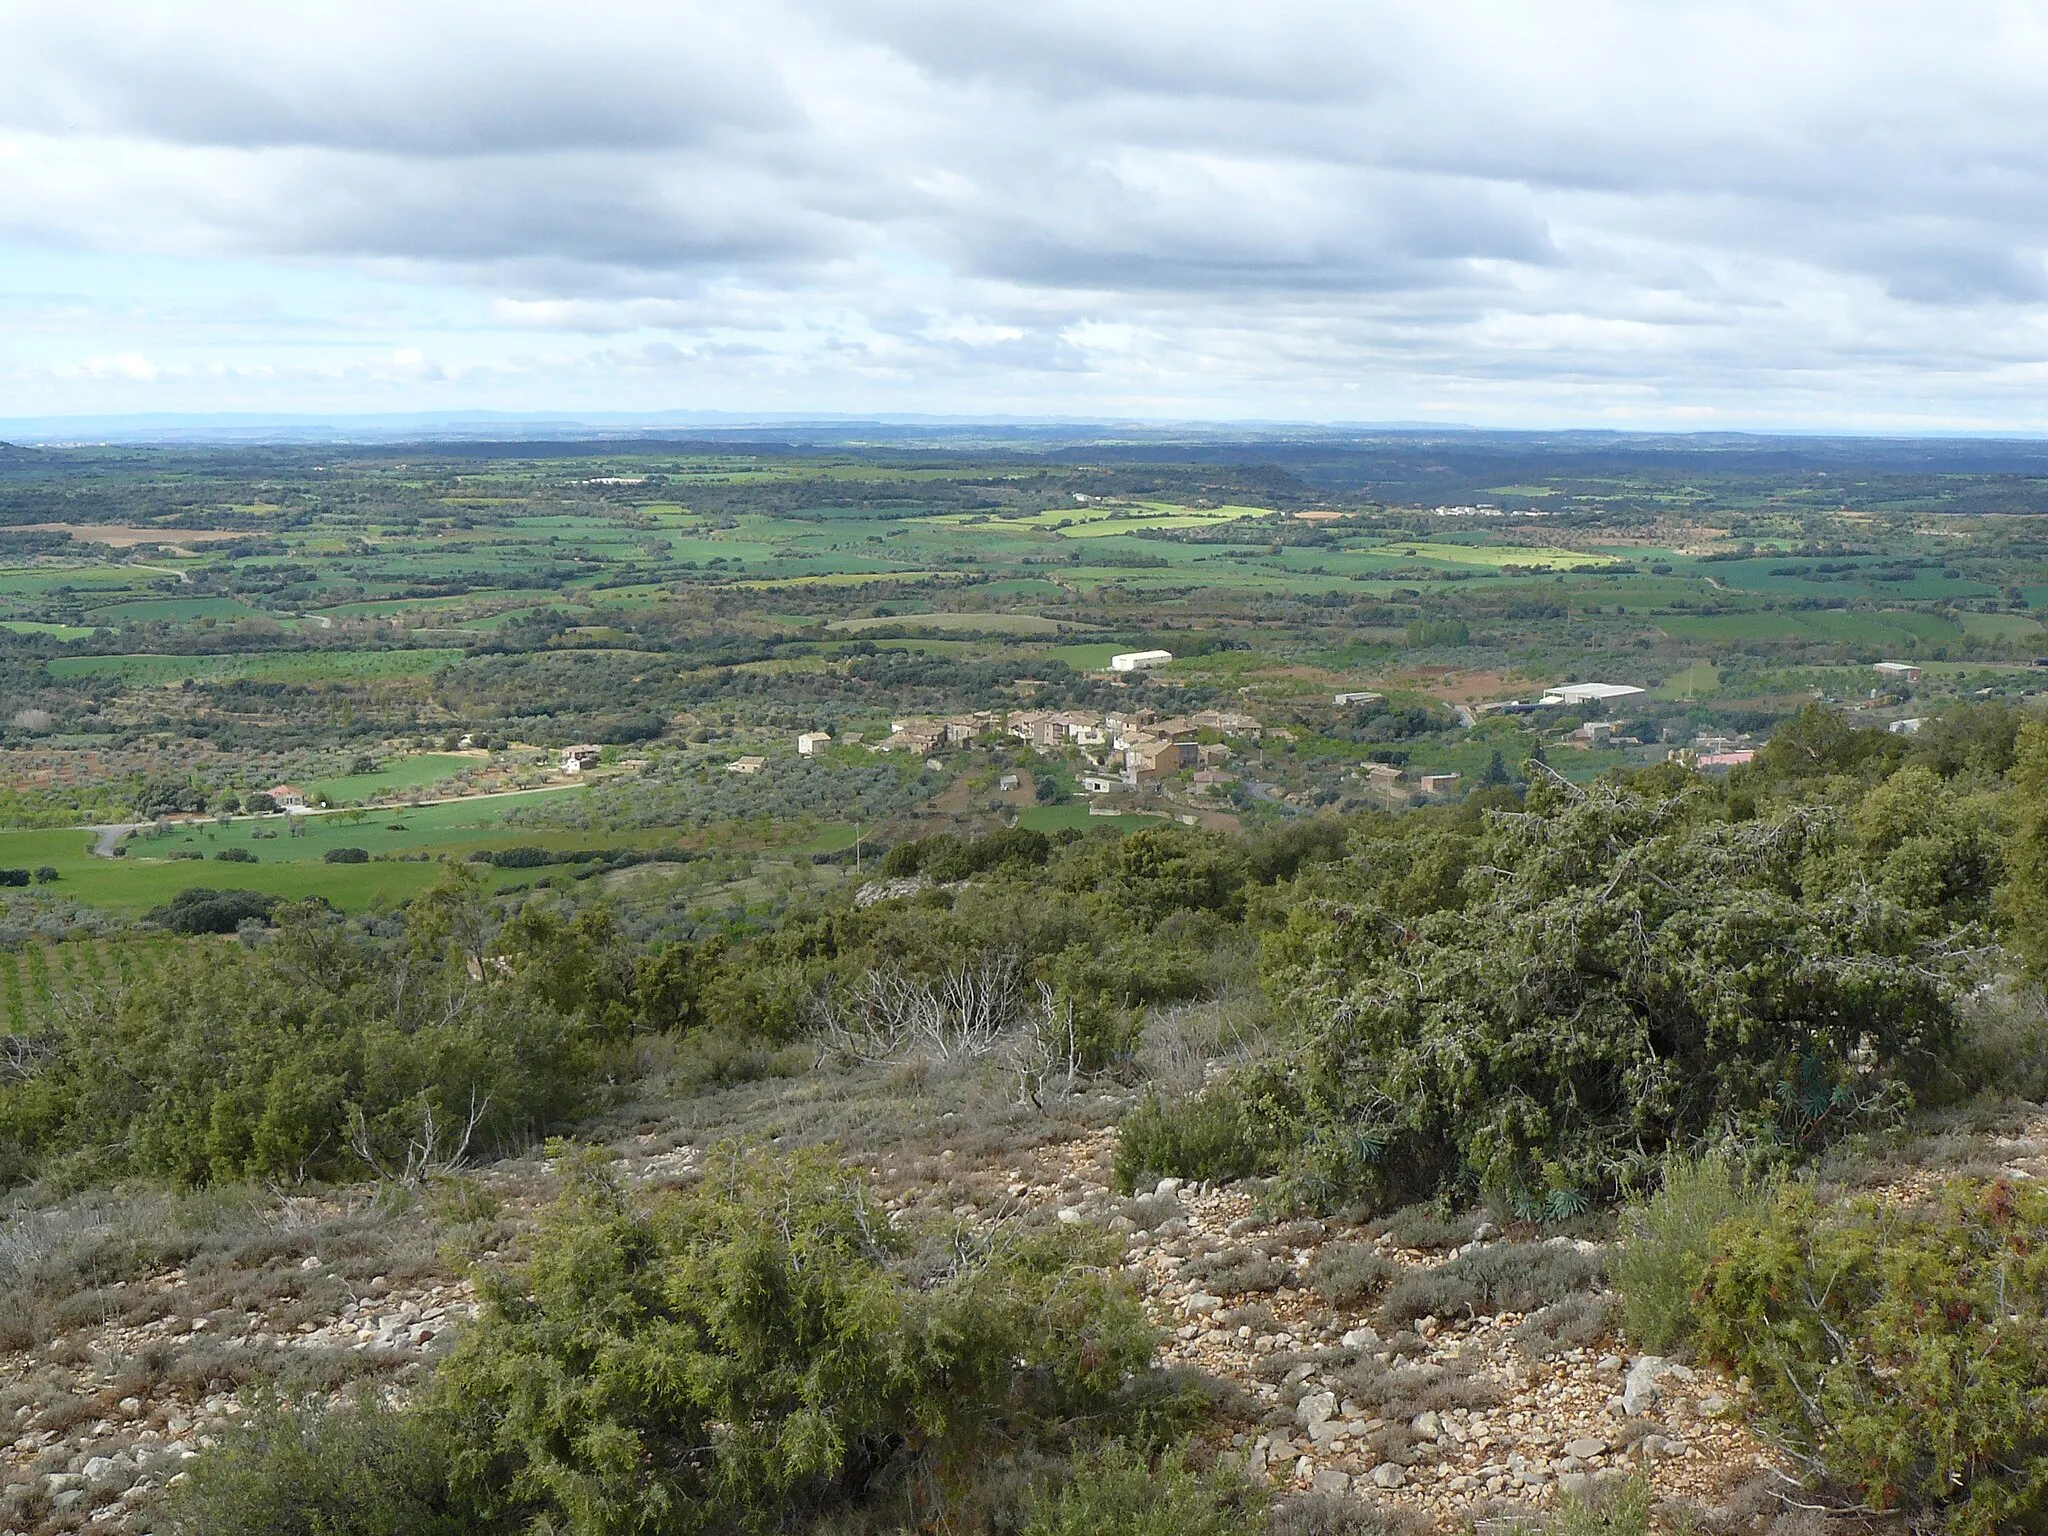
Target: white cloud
x=1829 y=212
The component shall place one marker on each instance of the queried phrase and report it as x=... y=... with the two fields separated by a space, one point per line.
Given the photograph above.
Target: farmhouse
x=576 y=759
x=1438 y=783
x=1138 y=661
x=746 y=765
x=1359 y=698
x=288 y=797
x=1897 y=671
x=811 y=743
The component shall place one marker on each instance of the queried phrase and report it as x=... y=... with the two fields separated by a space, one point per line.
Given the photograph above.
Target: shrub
x=14 y=877
x=1399 y=1392
x=1620 y=975
x=294 y=1061
x=46 y=874
x=1345 y=1274
x=1119 y=1491
x=1421 y=1226
x=1667 y=1242
x=1329 y=1514
x=235 y=856
x=201 y=909
x=1238 y=1272
x=357 y=1470
x=1205 y=1137
x=347 y=856
x=1572 y=1323
x=1508 y=1277
x=1901 y=1354
x=762 y=1347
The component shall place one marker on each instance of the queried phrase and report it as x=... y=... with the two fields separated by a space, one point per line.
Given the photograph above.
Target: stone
x=1576 y=1484
x=1315 y=1409
x=67 y=1498
x=1361 y=1338
x=1169 y=1187
x=131 y=1407
x=1585 y=1448
x=1713 y=1405
x=1070 y=1216
x=1485 y=1232
x=1640 y=1387
x=1427 y=1424
x=1389 y=1474
x=1332 y=1482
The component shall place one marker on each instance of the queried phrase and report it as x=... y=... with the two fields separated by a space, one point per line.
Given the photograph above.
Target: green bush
x=295 y=1061
x=357 y=1470
x=1622 y=975
x=347 y=856
x=200 y=909
x=1205 y=1137
x=1899 y=1353
x=1667 y=1242
x=1119 y=1491
x=767 y=1349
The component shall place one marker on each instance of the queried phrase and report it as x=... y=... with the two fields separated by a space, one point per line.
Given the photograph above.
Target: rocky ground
x=1454 y=1416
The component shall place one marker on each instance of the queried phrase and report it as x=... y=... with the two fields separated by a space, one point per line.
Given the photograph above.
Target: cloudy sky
x=1672 y=213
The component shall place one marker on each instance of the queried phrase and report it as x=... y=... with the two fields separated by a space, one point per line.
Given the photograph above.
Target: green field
x=288 y=866
x=416 y=772
x=1061 y=818
x=275 y=666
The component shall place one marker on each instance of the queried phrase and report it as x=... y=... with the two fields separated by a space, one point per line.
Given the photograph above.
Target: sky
x=1676 y=214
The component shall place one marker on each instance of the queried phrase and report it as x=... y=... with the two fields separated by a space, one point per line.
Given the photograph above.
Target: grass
x=992 y=623
x=1055 y=818
x=416 y=772
x=1497 y=556
x=294 y=867
x=143 y=669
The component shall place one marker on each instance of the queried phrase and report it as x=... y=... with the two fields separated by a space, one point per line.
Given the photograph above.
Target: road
x=110 y=836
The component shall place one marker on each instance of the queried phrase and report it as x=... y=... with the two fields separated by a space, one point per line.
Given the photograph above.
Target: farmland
x=384 y=628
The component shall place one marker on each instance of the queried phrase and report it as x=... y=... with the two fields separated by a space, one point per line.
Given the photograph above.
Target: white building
x=576 y=759
x=811 y=743
x=1359 y=698
x=1898 y=671
x=1139 y=661
x=1589 y=693
x=746 y=765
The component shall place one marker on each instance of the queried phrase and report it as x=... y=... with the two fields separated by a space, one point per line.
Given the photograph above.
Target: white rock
x=1585 y=1448
x=1389 y=1474
x=1169 y=1186
x=1713 y=1405
x=1070 y=1216
x=1427 y=1424
x=1639 y=1388
x=1360 y=1338
x=1315 y=1409
x=1331 y=1481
